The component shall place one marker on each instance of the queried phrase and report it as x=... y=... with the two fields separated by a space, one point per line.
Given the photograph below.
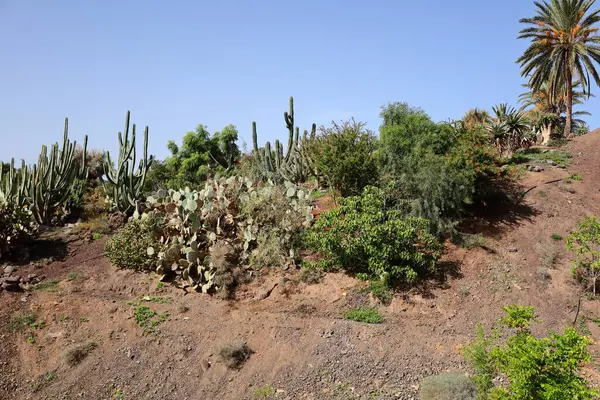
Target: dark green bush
x=128 y=248
x=363 y=235
x=447 y=386
x=368 y=315
x=343 y=155
x=437 y=169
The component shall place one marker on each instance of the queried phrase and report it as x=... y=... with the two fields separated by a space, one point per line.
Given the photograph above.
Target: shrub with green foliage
x=450 y=386
x=535 y=368
x=437 y=169
x=585 y=243
x=364 y=235
x=200 y=155
x=368 y=315
x=343 y=155
x=17 y=225
x=128 y=248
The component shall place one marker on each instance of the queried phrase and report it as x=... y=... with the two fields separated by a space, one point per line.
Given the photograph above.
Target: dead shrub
x=77 y=354
x=234 y=355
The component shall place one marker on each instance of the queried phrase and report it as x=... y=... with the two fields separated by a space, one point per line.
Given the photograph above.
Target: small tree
x=585 y=243
x=535 y=368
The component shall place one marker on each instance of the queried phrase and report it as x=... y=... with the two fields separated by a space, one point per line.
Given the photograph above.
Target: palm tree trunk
x=569 y=101
x=546 y=131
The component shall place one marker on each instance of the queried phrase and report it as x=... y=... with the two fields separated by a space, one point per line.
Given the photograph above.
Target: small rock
x=553 y=163
x=562 y=166
x=537 y=168
x=11 y=280
x=9 y=269
x=512 y=249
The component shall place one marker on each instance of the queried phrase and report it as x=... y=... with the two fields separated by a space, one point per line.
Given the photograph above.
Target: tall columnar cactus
x=276 y=165
x=53 y=175
x=15 y=183
x=125 y=180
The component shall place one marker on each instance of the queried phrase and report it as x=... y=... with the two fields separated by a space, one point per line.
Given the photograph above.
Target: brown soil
x=303 y=347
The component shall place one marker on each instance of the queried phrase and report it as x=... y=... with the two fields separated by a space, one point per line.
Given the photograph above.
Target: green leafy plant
x=447 y=386
x=362 y=235
x=129 y=247
x=149 y=319
x=367 y=315
x=199 y=156
x=381 y=291
x=535 y=368
x=575 y=177
x=343 y=157
x=16 y=227
x=585 y=244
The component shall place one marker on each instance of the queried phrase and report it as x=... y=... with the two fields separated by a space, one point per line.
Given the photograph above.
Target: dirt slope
x=304 y=349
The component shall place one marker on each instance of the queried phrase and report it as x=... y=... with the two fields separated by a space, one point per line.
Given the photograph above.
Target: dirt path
x=303 y=348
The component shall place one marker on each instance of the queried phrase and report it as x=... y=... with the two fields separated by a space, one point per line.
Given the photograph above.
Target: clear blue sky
x=179 y=63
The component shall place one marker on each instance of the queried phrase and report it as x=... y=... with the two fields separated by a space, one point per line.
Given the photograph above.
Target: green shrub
x=362 y=235
x=367 y=315
x=128 y=248
x=343 y=156
x=585 y=243
x=449 y=386
x=437 y=169
x=381 y=291
x=556 y=237
x=16 y=227
x=535 y=368
x=200 y=156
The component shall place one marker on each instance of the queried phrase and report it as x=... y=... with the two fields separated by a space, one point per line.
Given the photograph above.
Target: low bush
x=450 y=386
x=534 y=368
x=311 y=275
x=362 y=235
x=585 y=244
x=128 y=248
x=367 y=315
x=16 y=227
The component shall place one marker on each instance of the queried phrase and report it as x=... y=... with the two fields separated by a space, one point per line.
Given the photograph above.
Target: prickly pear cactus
x=190 y=222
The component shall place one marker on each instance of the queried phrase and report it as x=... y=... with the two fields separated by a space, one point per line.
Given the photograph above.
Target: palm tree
x=546 y=106
x=564 y=45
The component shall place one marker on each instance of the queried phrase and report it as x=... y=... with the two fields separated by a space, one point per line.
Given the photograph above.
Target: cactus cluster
x=190 y=223
x=125 y=180
x=274 y=164
x=44 y=186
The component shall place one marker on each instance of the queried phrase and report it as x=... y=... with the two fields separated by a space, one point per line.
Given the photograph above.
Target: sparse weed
x=556 y=237
x=543 y=194
x=75 y=355
x=72 y=276
x=367 y=315
x=149 y=319
x=311 y=275
x=84 y=319
x=264 y=392
x=18 y=323
x=45 y=285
